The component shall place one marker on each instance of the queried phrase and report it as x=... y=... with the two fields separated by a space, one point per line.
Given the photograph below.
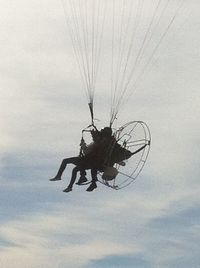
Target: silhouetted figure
x=102 y=153
x=82 y=162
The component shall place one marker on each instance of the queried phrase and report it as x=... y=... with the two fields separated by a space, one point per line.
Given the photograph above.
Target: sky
x=154 y=222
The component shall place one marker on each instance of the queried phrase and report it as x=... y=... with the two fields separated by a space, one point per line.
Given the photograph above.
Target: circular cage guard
x=131 y=136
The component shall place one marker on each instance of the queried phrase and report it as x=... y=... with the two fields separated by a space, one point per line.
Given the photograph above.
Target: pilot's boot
x=92 y=186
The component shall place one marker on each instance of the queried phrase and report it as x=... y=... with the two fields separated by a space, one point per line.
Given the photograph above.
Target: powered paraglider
x=132 y=32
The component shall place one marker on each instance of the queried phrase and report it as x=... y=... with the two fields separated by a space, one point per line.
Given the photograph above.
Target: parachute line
x=134 y=32
x=133 y=72
x=85 y=21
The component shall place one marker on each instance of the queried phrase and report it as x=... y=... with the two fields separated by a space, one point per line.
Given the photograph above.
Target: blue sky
x=153 y=223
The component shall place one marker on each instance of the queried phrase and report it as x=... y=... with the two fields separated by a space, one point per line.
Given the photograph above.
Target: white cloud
x=48 y=240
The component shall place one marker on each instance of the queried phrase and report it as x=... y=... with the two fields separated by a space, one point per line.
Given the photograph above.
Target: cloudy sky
x=153 y=223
